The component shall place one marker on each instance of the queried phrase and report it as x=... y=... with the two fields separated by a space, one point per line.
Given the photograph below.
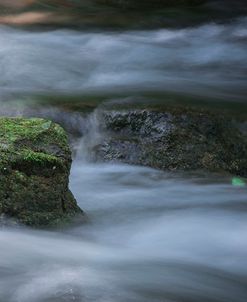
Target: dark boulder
x=174 y=139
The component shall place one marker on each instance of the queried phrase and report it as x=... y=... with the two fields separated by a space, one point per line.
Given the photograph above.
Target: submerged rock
x=174 y=139
x=34 y=173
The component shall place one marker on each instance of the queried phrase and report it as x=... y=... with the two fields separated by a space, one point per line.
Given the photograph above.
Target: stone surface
x=34 y=173
x=174 y=139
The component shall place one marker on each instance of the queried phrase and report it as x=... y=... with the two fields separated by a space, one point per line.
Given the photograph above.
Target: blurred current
x=208 y=61
x=151 y=237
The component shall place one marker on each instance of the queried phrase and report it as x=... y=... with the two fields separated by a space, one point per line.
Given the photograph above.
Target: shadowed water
x=152 y=236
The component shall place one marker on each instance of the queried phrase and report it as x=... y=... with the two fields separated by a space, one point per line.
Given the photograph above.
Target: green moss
x=32 y=141
x=20 y=129
x=13 y=129
x=39 y=157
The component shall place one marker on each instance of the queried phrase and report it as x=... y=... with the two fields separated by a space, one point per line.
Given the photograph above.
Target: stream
x=193 y=61
x=151 y=236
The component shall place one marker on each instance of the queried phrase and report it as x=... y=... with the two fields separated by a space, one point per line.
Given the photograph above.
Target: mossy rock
x=35 y=161
x=174 y=138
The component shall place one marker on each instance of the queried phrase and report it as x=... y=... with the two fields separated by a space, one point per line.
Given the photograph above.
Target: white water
x=152 y=236
x=207 y=61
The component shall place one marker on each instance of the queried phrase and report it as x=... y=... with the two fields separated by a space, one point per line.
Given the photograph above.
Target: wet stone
x=173 y=139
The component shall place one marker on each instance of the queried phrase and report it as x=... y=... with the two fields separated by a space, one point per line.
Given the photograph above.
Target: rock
x=140 y=4
x=34 y=173
x=174 y=139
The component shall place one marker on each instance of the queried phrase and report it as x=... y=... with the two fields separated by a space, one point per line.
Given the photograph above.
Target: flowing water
x=152 y=236
x=207 y=61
